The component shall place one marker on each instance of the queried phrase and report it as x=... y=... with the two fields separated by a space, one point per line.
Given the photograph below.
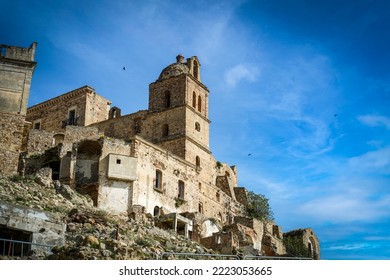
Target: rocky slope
x=92 y=233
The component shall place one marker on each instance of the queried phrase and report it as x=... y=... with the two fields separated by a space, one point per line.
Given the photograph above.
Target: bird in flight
x=124 y=68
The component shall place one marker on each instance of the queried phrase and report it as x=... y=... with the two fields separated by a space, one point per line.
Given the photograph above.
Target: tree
x=295 y=247
x=258 y=207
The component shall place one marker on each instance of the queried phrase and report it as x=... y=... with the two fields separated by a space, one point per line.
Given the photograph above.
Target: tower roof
x=175 y=69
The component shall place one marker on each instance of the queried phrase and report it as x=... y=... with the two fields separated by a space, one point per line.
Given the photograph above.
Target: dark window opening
x=72 y=117
x=37 y=125
x=10 y=248
x=200 y=207
x=181 y=190
x=156 y=211
x=158 y=183
x=165 y=131
x=118 y=161
x=197 y=161
x=197 y=126
x=194 y=99
x=199 y=103
x=55 y=169
x=167 y=99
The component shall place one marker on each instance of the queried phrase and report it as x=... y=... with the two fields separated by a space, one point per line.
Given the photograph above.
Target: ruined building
x=16 y=69
x=155 y=161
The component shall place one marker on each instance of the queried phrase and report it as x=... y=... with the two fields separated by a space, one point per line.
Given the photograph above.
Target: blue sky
x=302 y=86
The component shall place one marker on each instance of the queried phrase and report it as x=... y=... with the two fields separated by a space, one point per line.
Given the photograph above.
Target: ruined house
x=155 y=161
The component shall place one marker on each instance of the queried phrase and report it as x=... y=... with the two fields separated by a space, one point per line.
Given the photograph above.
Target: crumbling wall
x=75 y=134
x=39 y=141
x=45 y=228
x=16 y=69
x=308 y=239
x=273 y=240
x=223 y=242
x=114 y=191
x=11 y=134
x=123 y=127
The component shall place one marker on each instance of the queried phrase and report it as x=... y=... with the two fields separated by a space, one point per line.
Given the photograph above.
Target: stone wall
x=114 y=193
x=39 y=141
x=273 y=240
x=11 y=134
x=124 y=127
x=16 y=69
x=309 y=240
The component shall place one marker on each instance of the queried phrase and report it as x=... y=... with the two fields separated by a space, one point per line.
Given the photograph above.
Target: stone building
x=155 y=161
x=16 y=69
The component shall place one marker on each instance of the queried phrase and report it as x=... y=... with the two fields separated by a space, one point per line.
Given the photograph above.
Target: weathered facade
x=155 y=161
x=16 y=69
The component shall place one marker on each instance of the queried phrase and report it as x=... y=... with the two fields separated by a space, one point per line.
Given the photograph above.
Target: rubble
x=91 y=234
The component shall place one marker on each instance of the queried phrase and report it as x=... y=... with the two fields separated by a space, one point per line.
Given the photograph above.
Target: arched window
x=180 y=193
x=114 y=112
x=194 y=99
x=200 y=186
x=196 y=69
x=158 y=181
x=200 y=207
x=218 y=196
x=197 y=126
x=156 y=211
x=58 y=139
x=199 y=103
x=165 y=130
x=167 y=100
x=197 y=161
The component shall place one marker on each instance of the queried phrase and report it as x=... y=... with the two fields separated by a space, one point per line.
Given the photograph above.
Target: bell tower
x=178 y=110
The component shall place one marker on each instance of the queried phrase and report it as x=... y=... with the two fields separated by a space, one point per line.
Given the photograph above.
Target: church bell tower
x=178 y=105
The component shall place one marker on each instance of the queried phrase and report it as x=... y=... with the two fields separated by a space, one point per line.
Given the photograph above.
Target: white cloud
x=375 y=120
x=241 y=72
x=349 y=247
x=375 y=161
x=346 y=207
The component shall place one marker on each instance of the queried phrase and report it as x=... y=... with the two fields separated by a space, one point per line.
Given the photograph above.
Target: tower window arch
x=197 y=161
x=200 y=207
x=197 y=126
x=165 y=130
x=196 y=69
x=194 y=99
x=167 y=99
x=156 y=211
x=199 y=103
x=180 y=193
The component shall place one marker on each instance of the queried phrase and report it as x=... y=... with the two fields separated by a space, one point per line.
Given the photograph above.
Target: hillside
x=91 y=233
